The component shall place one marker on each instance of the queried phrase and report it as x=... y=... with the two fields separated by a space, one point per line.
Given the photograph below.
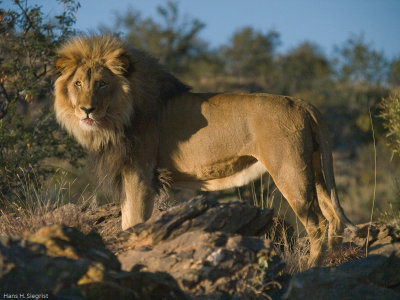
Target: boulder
x=372 y=277
x=61 y=262
x=207 y=246
x=376 y=276
x=26 y=269
x=383 y=239
x=63 y=241
x=199 y=214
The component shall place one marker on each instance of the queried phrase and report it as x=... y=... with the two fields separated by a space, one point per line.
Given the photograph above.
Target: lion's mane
x=146 y=87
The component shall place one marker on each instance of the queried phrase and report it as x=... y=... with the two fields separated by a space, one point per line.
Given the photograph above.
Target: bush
x=391 y=114
x=28 y=130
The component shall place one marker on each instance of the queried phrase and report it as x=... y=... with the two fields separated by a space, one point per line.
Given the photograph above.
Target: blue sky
x=324 y=22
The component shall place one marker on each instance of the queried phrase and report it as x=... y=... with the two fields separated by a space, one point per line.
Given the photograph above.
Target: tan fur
x=146 y=123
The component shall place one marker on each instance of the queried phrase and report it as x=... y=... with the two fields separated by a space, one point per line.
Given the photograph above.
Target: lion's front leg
x=138 y=199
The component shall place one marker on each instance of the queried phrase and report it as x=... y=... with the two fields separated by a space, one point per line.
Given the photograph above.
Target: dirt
x=201 y=249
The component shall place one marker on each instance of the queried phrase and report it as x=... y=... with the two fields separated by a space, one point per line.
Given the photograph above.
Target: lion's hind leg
x=292 y=172
x=336 y=227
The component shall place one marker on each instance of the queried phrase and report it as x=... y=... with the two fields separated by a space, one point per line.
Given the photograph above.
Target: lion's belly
x=204 y=156
x=236 y=179
x=212 y=170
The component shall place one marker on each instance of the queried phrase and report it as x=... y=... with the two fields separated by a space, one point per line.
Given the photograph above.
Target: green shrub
x=28 y=131
x=391 y=114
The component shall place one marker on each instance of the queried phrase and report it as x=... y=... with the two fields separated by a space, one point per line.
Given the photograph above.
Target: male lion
x=136 y=119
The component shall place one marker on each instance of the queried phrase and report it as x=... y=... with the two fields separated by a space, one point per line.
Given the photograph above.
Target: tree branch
x=41 y=74
x=4 y=104
x=28 y=19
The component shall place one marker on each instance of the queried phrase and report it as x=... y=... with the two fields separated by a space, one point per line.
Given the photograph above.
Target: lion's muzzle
x=87 y=110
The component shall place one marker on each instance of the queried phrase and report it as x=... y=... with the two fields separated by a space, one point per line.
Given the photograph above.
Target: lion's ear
x=63 y=63
x=127 y=63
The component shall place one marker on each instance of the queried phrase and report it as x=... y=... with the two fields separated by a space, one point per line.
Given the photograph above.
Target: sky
x=328 y=23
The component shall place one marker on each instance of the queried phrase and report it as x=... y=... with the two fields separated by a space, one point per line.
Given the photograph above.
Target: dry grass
x=347 y=253
x=295 y=251
x=391 y=216
x=292 y=244
x=40 y=204
x=27 y=221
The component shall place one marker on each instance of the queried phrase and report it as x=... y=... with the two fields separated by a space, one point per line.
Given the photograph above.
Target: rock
x=70 y=214
x=200 y=214
x=106 y=219
x=62 y=241
x=383 y=239
x=373 y=277
x=61 y=262
x=204 y=262
x=204 y=245
x=376 y=276
x=135 y=285
x=25 y=268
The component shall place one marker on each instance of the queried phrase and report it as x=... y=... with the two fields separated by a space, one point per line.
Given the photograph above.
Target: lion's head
x=103 y=83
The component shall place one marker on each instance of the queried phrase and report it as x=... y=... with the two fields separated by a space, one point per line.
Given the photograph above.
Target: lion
x=139 y=122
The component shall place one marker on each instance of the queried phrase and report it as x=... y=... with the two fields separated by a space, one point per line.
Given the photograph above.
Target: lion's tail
x=327 y=164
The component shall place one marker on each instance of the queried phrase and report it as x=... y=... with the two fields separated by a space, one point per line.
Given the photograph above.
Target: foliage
x=391 y=217
x=174 y=41
x=28 y=131
x=250 y=53
x=27 y=50
x=391 y=114
x=304 y=68
x=394 y=73
x=358 y=63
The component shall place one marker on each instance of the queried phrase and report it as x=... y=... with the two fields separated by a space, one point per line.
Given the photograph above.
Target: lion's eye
x=78 y=83
x=102 y=84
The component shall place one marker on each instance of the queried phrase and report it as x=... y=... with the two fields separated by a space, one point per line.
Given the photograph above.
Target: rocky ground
x=203 y=249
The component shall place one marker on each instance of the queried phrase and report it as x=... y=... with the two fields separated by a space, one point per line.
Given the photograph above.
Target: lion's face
x=91 y=91
x=103 y=85
x=93 y=99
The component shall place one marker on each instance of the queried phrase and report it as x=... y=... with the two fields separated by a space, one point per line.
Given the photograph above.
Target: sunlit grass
x=38 y=204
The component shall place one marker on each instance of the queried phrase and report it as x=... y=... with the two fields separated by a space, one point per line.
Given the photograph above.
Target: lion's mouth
x=90 y=122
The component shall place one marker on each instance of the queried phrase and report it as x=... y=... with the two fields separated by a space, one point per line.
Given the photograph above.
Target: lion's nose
x=88 y=110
